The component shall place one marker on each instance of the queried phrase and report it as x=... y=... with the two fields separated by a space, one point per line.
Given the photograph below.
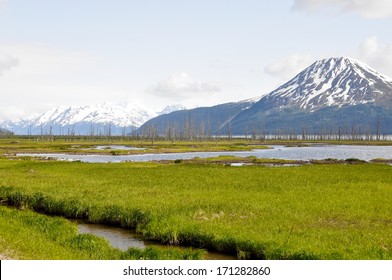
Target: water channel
x=280 y=152
x=124 y=238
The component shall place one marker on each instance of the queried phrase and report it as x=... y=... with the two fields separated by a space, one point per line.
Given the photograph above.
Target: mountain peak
x=338 y=95
x=331 y=82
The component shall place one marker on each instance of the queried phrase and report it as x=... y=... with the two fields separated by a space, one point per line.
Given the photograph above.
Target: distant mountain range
x=100 y=119
x=4 y=131
x=335 y=95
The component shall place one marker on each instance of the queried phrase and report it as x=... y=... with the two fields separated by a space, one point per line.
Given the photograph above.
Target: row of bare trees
x=202 y=132
x=190 y=130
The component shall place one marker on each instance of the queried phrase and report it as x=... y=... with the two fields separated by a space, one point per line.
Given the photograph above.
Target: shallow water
x=124 y=238
x=116 y=147
x=118 y=237
x=280 y=152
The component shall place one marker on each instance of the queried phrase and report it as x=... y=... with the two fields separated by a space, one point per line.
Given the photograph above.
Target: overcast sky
x=162 y=52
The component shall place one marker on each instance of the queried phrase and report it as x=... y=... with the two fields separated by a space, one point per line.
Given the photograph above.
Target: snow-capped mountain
x=172 y=108
x=330 y=93
x=332 y=82
x=97 y=119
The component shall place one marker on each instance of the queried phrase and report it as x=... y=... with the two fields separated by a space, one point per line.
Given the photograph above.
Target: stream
x=124 y=238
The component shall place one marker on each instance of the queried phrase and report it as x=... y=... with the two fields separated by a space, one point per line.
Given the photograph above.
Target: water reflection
x=117 y=237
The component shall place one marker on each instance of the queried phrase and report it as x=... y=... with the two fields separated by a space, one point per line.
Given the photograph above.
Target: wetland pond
x=320 y=152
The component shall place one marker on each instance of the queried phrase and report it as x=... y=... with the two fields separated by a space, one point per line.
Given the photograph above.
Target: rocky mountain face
x=332 y=82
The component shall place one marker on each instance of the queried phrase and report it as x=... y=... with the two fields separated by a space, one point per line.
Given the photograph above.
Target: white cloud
x=366 y=8
x=377 y=54
x=287 y=68
x=7 y=62
x=33 y=75
x=180 y=85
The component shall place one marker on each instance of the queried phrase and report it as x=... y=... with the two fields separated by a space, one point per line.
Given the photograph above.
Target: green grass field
x=323 y=211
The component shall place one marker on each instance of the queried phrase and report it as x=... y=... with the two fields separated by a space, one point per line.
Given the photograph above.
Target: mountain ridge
x=201 y=121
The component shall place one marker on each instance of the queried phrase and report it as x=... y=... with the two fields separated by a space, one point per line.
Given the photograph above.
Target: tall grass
x=29 y=235
x=307 y=212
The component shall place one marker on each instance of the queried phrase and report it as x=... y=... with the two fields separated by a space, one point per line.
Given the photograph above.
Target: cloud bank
x=7 y=62
x=287 y=68
x=372 y=9
x=181 y=85
x=376 y=54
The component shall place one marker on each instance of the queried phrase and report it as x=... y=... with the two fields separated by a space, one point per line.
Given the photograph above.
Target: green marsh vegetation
x=323 y=211
x=29 y=235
